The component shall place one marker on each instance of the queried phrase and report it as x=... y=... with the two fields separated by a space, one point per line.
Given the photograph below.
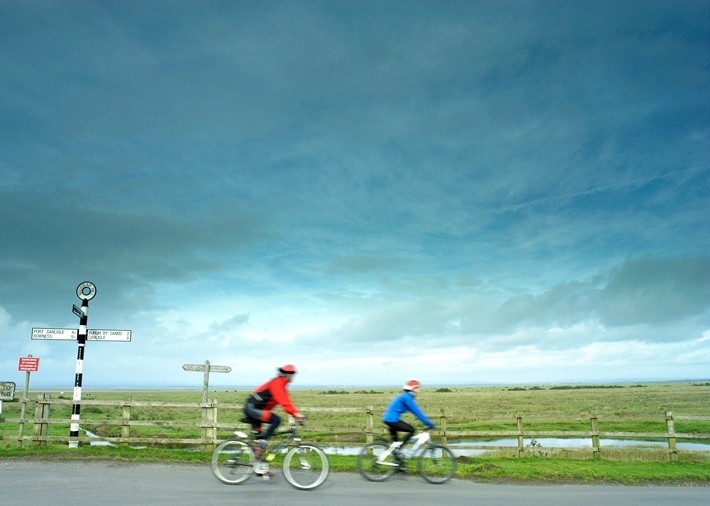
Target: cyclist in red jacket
x=260 y=403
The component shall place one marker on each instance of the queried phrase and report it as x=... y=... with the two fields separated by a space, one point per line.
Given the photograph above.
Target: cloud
x=508 y=181
x=656 y=291
x=626 y=302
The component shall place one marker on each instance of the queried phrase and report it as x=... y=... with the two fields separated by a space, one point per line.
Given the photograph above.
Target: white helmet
x=411 y=385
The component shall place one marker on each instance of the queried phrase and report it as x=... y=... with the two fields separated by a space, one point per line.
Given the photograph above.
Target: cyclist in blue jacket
x=405 y=402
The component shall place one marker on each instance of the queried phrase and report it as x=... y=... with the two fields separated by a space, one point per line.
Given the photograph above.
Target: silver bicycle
x=305 y=466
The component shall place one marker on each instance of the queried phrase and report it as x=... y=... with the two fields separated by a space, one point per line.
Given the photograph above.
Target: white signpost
x=207 y=369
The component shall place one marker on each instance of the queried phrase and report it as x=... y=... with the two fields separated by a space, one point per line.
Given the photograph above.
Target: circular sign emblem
x=86 y=290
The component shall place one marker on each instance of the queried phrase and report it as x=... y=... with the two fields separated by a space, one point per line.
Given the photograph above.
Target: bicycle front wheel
x=437 y=464
x=306 y=466
x=232 y=462
x=371 y=464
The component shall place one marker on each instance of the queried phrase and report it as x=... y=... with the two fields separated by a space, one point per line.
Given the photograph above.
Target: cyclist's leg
x=403 y=427
x=408 y=431
x=395 y=428
x=252 y=415
x=392 y=428
x=274 y=421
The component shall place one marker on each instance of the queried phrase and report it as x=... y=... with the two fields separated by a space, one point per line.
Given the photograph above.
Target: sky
x=463 y=193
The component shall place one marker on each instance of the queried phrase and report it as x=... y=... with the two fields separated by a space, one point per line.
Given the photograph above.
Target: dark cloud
x=490 y=176
x=656 y=291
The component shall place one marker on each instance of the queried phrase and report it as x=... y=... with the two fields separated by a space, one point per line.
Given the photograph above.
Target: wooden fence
x=595 y=434
x=208 y=426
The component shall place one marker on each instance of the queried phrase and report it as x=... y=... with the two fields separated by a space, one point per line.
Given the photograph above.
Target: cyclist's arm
x=278 y=390
x=416 y=411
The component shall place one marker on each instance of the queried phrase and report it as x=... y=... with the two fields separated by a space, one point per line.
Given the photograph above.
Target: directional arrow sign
x=203 y=367
x=55 y=334
x=123 y=336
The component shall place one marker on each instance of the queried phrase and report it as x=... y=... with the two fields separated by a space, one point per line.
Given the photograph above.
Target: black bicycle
x=305 y=466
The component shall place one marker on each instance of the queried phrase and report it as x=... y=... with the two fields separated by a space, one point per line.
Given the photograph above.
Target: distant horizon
x=620 y=382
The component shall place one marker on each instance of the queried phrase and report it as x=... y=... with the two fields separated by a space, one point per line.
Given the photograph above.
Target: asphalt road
x=104 y=483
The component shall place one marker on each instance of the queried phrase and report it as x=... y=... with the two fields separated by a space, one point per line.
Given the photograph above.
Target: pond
x=460 y=447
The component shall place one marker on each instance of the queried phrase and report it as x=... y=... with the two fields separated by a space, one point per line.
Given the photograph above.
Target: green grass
x=485 y=469
x=619 y=408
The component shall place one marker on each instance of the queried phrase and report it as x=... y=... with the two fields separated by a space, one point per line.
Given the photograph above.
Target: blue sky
x=458 y=192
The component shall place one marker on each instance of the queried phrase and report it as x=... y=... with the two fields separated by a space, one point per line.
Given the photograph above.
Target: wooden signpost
x=207 y=369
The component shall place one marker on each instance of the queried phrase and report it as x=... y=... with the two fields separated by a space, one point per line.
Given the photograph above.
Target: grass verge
x=489 y=469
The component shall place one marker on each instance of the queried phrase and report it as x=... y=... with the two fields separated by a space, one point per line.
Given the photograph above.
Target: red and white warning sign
x=28 y=364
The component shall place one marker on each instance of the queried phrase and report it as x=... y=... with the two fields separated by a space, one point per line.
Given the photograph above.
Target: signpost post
x=209 y=414
x=85 y=291
x=28 y=364
x=207 y=369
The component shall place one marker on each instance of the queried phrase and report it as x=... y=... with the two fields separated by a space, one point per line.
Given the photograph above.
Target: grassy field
x=341 y=415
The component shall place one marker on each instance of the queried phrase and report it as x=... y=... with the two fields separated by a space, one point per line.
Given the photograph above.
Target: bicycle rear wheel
x=437 y=464
x=371 y=465
x=232 y=462
x=306 y=466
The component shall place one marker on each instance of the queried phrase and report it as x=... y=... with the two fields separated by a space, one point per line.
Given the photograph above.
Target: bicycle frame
x=422 y=441
x=436 y=463
x=285 y=442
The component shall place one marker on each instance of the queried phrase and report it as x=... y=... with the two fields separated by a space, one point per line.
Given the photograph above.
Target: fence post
x=369 y=425
x=672 y=451
x=209 y=431
x=214 y=421
x=521 y=442
x=126 y=420
x=23 y=412
x=596 y=451
x=443 y=426
x=41 y=419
